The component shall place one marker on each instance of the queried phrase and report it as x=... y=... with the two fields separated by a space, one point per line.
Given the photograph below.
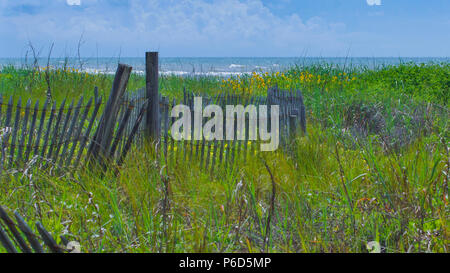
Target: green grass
x=336 y=188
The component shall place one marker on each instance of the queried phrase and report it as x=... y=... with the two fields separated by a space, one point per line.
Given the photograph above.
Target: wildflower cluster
x=259 y=82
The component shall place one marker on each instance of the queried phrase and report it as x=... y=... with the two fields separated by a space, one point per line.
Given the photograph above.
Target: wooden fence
x=213 y=154
x=63 y=136
x=66 y=135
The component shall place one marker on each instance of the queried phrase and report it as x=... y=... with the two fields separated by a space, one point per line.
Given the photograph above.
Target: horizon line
x=261 y=57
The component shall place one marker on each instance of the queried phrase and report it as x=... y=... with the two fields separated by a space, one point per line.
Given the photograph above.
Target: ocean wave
x=210 y=73
x=94 y=71
x=236 y=66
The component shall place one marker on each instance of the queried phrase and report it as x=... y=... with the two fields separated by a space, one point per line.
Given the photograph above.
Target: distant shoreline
x=217 y=66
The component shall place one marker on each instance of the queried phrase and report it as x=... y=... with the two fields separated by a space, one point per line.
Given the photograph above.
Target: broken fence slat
x=31 y=237
x=48 y=239
x=6 y=242
x=10 y=223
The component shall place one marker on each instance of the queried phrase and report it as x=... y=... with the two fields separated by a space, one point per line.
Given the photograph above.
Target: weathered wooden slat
x=302 y=113
x=202 y=147
x=234 y=142
x=198 y=149
x=56 y=129
x=9 y=235
x=14 y=133
x=292 y=125
x=208 y=155
x=48 y=239
x=98 y=102
x=78 y=132
x=31 y=132
x=41 y=127
x=28 y=233
x=6 y=242
x=222 y=149
x=11 y=225
x=1 y=104
x=127 y=146
x=68 y=138
x=24 y=131
x=49 y=127
x=209 y=143
x=61 y=134
x=218 y=101
x=247 y=129
x=172 y=142
x=239 y=142
x=285 y=118
x=160 y=122
x=214 y=155
x=186 y=141
x=191 y=106
x=126 y=100
x=121 y=129
x=166 y=124
x=104 y=134
x=7 y=126
x=222 y=143
x=289 y=111
x=197 y=144
x=281 y=123
x=227 y=153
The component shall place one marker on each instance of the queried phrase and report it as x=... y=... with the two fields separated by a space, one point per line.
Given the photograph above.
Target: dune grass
x=374 y=166
x=425 y=82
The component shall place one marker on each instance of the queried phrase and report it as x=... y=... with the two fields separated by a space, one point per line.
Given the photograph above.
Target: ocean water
x=224 y=67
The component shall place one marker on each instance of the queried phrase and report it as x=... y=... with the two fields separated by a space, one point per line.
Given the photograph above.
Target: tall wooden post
x=151 y=80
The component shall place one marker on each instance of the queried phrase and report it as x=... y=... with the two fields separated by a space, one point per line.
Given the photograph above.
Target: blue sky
x=182 y=28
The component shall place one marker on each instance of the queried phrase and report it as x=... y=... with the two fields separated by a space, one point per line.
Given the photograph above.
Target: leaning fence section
x=213 y=154
x=70 y=134
x=56 y=134
x=16 y=236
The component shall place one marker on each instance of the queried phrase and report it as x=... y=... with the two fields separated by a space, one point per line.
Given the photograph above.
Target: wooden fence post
x=151 y=82
x=105 y=130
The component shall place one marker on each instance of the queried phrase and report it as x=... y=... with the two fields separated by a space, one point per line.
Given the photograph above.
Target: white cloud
x=177 y=28
x=374 y=2
x=73 y=2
